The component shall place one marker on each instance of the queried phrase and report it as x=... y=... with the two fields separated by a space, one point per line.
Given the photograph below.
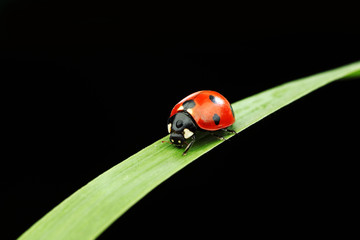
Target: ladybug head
x=181 y=126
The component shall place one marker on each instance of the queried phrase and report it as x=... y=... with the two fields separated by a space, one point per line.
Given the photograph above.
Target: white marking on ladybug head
x=169 y=127
x=190 y=111
x=180 y=108
x=187 y=133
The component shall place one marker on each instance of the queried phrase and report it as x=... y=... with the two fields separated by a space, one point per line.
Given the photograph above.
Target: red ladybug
x=200 y=111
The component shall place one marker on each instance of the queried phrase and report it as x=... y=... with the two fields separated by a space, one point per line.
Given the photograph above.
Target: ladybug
x=201 y=111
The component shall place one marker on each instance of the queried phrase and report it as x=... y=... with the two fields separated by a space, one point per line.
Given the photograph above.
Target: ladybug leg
x=223 y=130
x=229 y=131
x=217 y=136
x=189 y=145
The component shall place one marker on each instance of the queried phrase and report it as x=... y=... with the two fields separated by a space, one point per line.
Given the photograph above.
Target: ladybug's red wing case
x=179 y=106
x=210 y=110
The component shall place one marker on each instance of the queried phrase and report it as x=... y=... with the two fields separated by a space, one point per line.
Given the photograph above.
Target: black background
x=87 y=85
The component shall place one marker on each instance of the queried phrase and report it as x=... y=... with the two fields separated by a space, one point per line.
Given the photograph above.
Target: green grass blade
x=353 y=75
x=90 y=210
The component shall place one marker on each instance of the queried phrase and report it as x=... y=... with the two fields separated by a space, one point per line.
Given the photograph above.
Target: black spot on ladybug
x=213 y=99
x=216 y=119
x=188 y=104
